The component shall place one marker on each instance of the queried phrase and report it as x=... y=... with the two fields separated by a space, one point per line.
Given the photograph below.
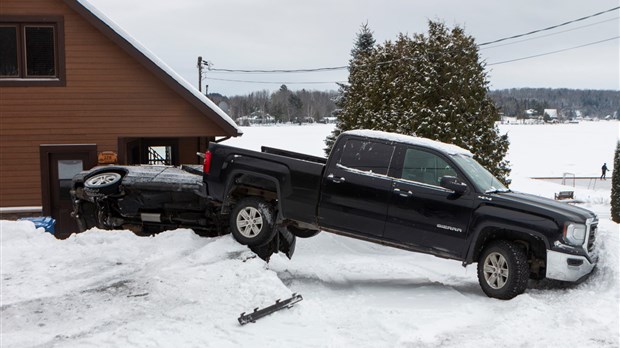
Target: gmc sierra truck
x=399 y=191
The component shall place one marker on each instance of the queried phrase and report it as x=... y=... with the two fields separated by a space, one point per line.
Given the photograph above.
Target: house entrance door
x=59 y=163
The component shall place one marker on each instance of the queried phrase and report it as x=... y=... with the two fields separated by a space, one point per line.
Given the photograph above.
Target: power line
x=553 y=52
x=276 y=71
x=490 y=64
x=552 y=34
x=280 y=82
x=308 y=70
x=549 y=28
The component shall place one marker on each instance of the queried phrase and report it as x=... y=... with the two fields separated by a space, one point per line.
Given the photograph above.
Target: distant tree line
x=591 y=103
x=284 y=105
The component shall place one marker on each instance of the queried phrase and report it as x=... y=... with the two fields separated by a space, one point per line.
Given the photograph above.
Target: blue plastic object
x=46 y=222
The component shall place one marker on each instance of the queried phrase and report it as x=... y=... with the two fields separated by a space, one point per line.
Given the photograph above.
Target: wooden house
x=75 y=89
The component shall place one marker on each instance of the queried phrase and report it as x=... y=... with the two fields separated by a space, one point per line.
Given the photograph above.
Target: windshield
x=482 y=179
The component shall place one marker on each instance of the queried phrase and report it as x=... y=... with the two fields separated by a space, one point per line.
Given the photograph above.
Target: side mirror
x=454 y=184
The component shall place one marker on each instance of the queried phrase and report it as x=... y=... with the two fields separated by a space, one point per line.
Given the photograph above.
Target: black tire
x=251 y=221
x=302 y=232
x=104 y=183
x=503 y=271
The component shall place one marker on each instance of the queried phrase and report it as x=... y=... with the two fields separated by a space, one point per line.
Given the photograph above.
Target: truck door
x=356 y=188
x=421 y=213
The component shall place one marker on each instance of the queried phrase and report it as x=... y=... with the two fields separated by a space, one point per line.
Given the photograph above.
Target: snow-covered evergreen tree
x=362 y=50
x=432 y=86
x=615 y=187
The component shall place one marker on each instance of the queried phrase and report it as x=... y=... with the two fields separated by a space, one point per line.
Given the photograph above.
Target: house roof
x=155 y=65
x=553 y=113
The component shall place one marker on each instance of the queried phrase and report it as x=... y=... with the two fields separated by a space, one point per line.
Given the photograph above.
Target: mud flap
x=286 y=242
x=283 y=241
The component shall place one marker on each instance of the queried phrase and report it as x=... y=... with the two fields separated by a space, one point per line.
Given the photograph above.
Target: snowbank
x=116 y=289
x=106 y=288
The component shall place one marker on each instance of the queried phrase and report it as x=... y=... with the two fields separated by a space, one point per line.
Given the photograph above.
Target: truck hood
x=542 y=206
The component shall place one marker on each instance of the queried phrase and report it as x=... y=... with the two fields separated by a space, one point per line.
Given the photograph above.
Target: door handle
x=335 y=179
x=403 y=193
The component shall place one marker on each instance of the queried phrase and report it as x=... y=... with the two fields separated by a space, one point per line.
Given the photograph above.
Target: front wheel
x=503 y=270
x=251 y=221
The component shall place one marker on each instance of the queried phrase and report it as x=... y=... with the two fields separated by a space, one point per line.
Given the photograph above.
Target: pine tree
x=615 y=187
x=432 y=86
x=362 y=50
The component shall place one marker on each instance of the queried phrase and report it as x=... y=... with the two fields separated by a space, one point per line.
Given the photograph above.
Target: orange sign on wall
x=107 y=157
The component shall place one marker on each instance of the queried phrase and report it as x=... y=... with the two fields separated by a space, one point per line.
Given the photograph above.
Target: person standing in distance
x=604 y=171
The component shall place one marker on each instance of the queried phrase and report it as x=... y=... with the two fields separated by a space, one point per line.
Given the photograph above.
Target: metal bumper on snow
x=567 y=267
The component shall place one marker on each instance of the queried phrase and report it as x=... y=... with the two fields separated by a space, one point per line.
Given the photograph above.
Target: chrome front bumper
x=566 y=267
x=574 y=265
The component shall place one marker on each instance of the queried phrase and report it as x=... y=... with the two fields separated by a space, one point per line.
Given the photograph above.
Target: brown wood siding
x=108 y=95
x=187 y=150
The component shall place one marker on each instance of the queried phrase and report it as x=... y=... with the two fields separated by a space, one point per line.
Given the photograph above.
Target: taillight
x=206 y=166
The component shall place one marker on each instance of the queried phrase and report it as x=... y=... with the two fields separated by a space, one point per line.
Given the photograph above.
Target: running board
x=259 y=313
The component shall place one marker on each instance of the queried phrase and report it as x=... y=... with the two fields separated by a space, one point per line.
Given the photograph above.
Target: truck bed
x=298 y=177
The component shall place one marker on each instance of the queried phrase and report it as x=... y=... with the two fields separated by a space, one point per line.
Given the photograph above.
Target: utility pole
x=201 y=75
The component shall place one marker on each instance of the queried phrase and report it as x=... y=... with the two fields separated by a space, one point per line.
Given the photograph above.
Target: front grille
x=592 y=237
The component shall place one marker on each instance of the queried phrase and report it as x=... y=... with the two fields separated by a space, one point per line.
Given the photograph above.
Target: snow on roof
x=163 y=66
x=448 y=149
x=553 y=113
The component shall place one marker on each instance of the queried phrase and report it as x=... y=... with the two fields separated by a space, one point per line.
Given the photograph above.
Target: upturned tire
x=105 y=183
x=503 y=270
x=251 y=221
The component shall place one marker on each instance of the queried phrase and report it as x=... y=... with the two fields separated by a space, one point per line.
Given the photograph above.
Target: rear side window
x=367 y=156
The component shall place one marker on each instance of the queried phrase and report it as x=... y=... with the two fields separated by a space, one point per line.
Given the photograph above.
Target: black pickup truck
x=400 y=191
x=405 y=192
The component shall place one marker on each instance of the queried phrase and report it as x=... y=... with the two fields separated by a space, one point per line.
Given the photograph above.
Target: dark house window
x=8 y=52
x=31 y=51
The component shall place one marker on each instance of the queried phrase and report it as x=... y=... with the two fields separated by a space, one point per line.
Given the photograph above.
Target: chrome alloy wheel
x=249 y=222
x=496 y=270
x=103 y=179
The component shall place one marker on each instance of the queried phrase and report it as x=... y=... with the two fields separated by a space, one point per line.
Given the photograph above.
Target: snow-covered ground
x=113 y=289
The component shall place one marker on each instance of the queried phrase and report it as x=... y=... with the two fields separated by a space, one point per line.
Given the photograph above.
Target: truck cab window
x=425 y=167
x=367 y=156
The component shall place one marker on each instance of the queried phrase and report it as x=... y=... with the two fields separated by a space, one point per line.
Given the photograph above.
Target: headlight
x=574 y=234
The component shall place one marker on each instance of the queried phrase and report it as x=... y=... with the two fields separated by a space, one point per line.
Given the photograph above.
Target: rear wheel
x=503 y=270
x=251 y=221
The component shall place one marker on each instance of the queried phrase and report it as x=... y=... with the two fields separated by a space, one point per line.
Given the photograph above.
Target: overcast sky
x=290 y=34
